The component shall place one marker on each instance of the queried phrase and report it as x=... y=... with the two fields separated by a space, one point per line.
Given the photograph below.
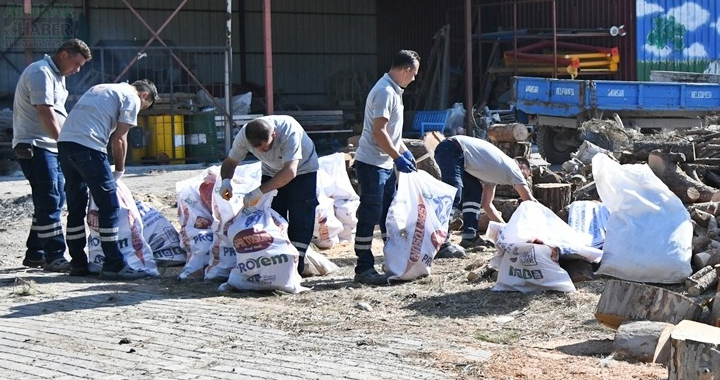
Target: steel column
x=267 y=36
x=228 y=70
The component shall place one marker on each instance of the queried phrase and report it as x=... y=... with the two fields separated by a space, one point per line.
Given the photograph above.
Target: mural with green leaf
x=677 y=35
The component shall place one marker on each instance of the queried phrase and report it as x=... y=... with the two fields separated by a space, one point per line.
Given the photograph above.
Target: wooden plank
x=679 y=76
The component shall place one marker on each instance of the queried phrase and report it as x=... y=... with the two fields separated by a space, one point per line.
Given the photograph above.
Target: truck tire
x=555 y=144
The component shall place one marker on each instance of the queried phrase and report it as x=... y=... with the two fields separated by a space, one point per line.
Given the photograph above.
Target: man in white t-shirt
x=289 y=165
x=105 y=113
x=475 y=167
x=38 y=115
x=379 y=152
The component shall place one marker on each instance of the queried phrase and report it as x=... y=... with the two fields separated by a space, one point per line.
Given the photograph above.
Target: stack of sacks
x=224 y=212
x=334 y=188
x=132 y=244
x=194 y=211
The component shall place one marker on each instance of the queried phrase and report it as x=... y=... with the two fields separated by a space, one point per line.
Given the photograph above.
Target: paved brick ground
x=73 y=329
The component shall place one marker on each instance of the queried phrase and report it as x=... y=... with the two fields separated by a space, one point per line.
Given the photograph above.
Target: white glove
x=226 y=189
x=117 y=174
x=252 y=198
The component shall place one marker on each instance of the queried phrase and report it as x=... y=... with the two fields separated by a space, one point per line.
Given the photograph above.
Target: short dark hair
x=524 y=161
x=258 y=131
x=149 y=87
x=404 y=59
x=75 y=46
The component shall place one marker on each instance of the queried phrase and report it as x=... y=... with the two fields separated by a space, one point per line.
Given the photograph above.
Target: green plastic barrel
x=201 y=138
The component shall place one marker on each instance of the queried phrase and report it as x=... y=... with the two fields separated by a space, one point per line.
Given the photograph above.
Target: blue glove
x=404 y=165
x=410 y=157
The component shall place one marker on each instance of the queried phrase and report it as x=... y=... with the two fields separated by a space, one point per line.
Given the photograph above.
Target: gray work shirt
x=95 y=116
x=384 y=100
x=488 y=163
x=39 y=83
x=290 y=143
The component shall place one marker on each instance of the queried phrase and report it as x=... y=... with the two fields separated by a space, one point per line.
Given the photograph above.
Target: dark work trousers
x=84 y=169
x=48 y=195
x=450 y=159
x=377 y=189
x=296 y=202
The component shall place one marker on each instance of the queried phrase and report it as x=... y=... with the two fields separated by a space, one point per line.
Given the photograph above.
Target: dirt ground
x=56 y=326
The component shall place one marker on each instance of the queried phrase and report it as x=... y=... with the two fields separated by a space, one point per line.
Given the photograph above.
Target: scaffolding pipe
x=469 y=130
x=228 y=69
x=554 y=23
x=267 y=35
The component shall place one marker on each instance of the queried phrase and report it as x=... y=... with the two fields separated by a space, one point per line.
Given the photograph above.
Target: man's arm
x=488 y=195
x=118 y=141
x=524 y=192
x=227 y=170
x=379 y=131
x=49 y=120
x=282 y=178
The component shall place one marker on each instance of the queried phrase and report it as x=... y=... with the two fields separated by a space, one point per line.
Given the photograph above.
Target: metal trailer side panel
x=552 y=97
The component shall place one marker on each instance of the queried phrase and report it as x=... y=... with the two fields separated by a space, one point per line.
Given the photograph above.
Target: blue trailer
x=557 y=107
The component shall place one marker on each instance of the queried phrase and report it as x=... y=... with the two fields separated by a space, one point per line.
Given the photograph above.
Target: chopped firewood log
x=586 y=193
x=642 y=149
x=709 y=257
x=623 y=300
x=514 y=132
x=701 y=281
x=700 y=217
x=711 y=207
x=579 y=270
x=637 y=340
x=712 y=178
x=423 y=156
x=514 y=149
x=687 y=189
x=662 y=348
x=694 y=352
x=706 y=137
x=554 y=196
x=715 y=311
x=700 y=243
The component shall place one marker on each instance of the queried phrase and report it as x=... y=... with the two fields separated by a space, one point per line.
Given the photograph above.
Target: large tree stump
x=694 y=352
x=638 y=339
x=687 y=189
x=423 y=156
x=514 y=149
x=642 y=149
x=553 y=195
x=622 y=300
x=514 y=132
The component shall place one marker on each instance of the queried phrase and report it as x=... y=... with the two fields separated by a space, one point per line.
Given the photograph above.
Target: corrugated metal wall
x=320 y=48
x=678 y=35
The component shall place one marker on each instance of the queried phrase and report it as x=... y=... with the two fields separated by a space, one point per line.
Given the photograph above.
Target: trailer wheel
x=556 y=144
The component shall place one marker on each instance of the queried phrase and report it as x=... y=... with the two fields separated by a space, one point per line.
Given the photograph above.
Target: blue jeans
x=84 y=169
x=296 y=202
x=48 y=195
x=377 y=189
x=451 y=161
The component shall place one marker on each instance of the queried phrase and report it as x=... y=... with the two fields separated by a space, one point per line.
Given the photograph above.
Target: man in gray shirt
x=38 y=115
x=380 y=150
x=289 y=165
x=475 y=167
x=104 y=114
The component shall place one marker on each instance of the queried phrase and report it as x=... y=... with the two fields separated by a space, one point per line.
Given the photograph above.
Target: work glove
x=226 y=189
x=252 y=198
x=404 y=165
x=117 y=174
x=407 y=154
